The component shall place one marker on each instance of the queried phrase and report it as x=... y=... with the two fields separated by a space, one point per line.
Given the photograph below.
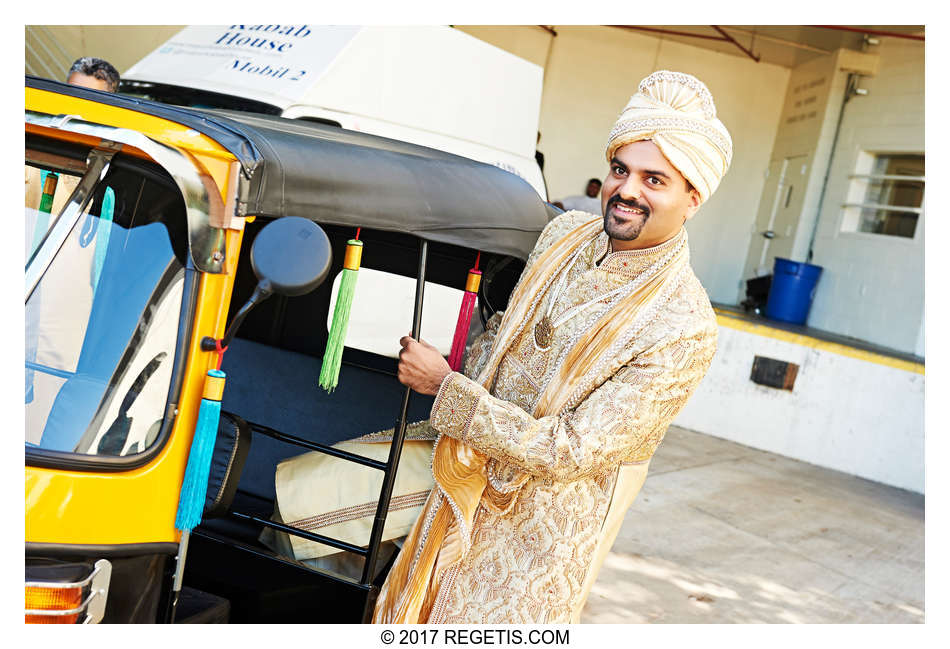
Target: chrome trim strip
x=205 y=243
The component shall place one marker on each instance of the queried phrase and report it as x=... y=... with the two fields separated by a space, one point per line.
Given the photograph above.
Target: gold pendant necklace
x=544 y=332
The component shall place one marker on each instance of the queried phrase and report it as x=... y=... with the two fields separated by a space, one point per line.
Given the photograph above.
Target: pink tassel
x=465 y=317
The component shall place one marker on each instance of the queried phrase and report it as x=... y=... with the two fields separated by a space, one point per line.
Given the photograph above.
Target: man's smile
x=619 y=209
x=622 y=211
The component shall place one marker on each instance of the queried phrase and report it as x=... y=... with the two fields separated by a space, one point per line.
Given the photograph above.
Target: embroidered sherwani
x=537 y=561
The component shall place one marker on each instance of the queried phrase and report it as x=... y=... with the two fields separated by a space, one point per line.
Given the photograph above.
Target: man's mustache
x=633 y=204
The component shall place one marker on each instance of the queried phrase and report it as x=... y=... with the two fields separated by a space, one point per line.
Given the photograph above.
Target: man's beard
x=631 y=229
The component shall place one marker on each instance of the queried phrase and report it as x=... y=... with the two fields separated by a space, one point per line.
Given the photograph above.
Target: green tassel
x=332 y=357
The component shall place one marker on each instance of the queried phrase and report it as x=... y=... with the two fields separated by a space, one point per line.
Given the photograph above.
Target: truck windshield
x=194 y=97
x=102 y=324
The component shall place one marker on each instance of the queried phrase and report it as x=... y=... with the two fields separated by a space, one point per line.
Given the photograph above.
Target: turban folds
x=677 y=113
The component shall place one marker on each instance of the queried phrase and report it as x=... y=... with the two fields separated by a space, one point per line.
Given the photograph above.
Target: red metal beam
x=752 y=56
x=670 y=31
x=873 y=32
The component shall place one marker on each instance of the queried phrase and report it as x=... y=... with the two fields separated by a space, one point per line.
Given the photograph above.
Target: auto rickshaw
x=146 y=270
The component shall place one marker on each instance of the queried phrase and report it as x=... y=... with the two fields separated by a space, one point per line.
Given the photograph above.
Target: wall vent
x=774 y=373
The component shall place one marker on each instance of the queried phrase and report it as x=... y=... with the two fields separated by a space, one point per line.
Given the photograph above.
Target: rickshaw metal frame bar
x=296 y=531
x=316 y=446
x=399 y=433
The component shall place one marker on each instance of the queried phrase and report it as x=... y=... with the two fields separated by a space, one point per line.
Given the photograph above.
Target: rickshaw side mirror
x=291 y=256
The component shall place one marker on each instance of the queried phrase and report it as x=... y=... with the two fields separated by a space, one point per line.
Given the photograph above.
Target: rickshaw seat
x=231 y=447
x=278 y=388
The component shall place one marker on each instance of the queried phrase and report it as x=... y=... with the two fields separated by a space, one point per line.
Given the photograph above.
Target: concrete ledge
x=853 y=410
x=818 y=340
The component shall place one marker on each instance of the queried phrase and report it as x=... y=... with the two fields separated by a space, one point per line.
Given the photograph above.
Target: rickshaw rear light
x=58 y=600
x=76 y=601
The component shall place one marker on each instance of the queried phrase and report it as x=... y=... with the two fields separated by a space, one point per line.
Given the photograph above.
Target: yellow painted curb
x=741 y=324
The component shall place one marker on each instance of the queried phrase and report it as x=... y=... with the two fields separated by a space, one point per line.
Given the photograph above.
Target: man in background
x=90 y=72
x=589 y=202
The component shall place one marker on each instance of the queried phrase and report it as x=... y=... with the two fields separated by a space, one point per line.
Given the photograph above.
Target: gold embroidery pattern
x=530 y=564
x=419 y=430
x=455 y=404
x=480 y=348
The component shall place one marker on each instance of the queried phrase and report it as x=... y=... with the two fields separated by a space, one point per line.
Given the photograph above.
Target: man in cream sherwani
x=545 y=439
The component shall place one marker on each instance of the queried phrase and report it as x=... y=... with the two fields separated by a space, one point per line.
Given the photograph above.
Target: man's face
x=88 y=81
x=593 y=188
x=645 y=200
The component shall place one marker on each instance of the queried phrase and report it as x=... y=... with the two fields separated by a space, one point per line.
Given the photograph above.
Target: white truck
x=430 y=85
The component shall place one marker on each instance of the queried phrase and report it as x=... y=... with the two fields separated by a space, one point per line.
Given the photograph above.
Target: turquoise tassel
x=194 y=487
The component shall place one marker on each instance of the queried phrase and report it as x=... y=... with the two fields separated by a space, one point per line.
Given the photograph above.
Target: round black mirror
x=292 y=254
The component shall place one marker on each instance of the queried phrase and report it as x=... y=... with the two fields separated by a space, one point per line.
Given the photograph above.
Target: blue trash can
x=792 y=291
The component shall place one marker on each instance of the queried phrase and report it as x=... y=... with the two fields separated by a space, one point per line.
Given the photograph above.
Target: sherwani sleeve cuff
x=455 y=404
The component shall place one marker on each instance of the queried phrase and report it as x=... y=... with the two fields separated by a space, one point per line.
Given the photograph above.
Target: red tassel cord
x=219 y=350
x=465 y=317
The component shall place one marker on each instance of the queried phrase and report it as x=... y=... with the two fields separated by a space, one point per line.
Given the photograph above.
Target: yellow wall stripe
x=733 y=321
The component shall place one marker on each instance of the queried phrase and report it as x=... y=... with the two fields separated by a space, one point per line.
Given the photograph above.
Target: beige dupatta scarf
x=443 y=536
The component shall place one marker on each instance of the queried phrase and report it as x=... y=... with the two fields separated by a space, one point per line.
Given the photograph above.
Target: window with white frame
x=886 y=194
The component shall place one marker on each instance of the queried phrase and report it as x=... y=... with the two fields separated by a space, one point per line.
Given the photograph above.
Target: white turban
x=677 y=113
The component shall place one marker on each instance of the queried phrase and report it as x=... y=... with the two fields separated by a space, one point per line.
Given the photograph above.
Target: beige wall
x=120 y=45
x=529 y=42
x=590 y=75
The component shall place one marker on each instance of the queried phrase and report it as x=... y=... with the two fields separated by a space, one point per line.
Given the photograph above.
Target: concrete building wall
x=857 y=415
x=872 y=287
x=590 y=75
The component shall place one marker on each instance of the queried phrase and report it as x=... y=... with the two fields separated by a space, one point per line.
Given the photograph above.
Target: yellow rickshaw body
x=136 y=506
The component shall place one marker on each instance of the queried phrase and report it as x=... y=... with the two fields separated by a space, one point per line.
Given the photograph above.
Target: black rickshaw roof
x=341 y=177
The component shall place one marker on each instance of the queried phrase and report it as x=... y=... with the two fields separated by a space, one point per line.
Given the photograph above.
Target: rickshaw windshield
x=102 y=324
